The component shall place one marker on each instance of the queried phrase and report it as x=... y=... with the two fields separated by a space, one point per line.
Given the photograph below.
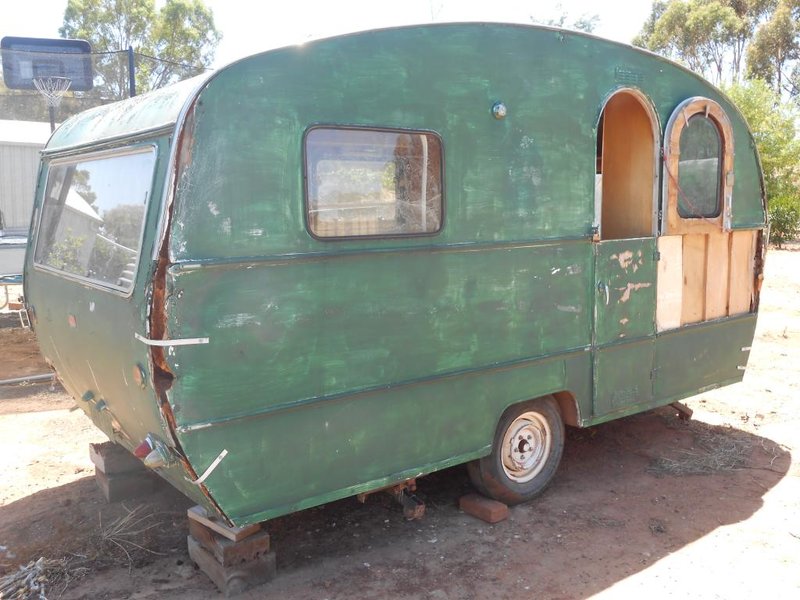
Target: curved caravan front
x=89 y=268
x=374 y=245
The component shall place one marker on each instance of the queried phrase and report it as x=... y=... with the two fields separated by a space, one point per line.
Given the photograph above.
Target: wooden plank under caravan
x=331 y=268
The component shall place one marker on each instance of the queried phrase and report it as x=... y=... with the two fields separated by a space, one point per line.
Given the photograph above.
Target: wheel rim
x=526 y=446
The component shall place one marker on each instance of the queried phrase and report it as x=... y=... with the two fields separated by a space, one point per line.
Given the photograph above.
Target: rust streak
x=162 y=374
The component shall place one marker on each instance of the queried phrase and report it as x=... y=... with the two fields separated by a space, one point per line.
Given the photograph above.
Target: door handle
x=603 y=288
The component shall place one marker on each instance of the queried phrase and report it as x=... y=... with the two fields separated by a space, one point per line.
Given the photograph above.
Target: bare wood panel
x=717 y=270
x=694 y=278
x=743 y=249
x=669 y=302
x=628 y=169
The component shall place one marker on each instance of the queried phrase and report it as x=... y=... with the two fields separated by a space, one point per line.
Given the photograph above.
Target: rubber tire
x=487 y=473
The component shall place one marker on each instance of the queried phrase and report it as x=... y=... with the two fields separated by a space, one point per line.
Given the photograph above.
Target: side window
x=699 y=169
x=368 y=183
x=93 y=216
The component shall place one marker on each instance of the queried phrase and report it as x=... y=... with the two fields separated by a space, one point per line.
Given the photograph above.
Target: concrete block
x=112 y=459
x=126 y=485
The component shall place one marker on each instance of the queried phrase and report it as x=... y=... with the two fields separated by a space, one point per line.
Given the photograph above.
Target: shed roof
x=28 y=133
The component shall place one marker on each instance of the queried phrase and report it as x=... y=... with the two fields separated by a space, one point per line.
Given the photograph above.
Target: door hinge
x=656 y=256
x=654 y=373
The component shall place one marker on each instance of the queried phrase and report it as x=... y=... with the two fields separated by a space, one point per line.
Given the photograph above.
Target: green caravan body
x=330 y=268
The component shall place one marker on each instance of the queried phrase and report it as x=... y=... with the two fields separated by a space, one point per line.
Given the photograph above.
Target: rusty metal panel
x=625 y=290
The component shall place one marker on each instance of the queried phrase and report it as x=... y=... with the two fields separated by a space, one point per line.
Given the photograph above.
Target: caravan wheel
x=527 y=450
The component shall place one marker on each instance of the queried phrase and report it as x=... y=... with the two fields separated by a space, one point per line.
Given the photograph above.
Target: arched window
x=699 y=169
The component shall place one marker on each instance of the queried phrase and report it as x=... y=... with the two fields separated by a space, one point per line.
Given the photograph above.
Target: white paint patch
x=226 y=226
x=625 y=259
x=91 y=306
x=255 y=232
x=212 y=208
x=574 y=270
x=624 y=321
x=237 y=320
x=569 y=309
x=554 y=271
x=632 y=287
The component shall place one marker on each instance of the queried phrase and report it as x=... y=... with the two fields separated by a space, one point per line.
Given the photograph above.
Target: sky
x=249 y=27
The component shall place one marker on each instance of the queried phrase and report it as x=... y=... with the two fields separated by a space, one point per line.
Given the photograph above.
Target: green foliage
x=784 y=219
x=700 y=33
x=180 y=32
x=774 y=52
x=108 y=261
x=64 y=255
x=772 y=122
x=123 y=224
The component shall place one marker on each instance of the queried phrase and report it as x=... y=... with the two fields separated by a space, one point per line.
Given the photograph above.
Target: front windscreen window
x=93 y=214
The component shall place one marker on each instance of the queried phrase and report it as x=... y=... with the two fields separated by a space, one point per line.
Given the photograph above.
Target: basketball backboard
x=26 y=59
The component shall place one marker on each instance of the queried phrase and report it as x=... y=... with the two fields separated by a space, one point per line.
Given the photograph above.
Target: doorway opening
x=626 y=180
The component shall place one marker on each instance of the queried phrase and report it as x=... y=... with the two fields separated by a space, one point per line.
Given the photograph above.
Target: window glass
x=93 y=215
x=371 y=183
x=699 y=169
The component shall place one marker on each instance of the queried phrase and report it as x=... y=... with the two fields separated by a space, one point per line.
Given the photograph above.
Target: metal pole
x=131 y=73
x=51 y=109
x=28 y=378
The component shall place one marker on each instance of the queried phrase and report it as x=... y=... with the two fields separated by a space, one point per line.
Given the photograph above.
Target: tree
x=707 y=35
x=697 y=32
x=180 y=33
x=776 y=47
x=772 y=122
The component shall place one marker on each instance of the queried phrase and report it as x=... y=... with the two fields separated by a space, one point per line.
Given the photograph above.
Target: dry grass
x=716 y=448
x=126 y=533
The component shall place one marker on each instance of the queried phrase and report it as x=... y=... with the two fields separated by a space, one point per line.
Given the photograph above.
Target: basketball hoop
x=53 y=90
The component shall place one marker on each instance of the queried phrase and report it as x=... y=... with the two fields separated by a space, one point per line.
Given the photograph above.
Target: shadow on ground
x=628 y=493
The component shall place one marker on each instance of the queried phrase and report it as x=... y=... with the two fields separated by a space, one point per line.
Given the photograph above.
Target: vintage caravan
x=330 y=268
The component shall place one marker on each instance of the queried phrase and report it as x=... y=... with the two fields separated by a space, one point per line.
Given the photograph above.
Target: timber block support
x=684 y=412
x=403 y=493
x=234 y=558
x=119 y=474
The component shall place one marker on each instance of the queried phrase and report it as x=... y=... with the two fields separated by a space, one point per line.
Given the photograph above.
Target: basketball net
x=52 y=88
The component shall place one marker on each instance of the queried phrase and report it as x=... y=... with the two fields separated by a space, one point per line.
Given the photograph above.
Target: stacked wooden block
x=234 y=558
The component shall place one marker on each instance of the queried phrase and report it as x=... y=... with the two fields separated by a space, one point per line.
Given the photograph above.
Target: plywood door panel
x=669 y=304
x=628 y=169
x=694 y=278
x=717 y=263
x=743 y=248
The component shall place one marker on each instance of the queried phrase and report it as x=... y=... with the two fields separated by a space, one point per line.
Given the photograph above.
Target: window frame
x=720 y=164
x=377 y=129
x=671 y=220
x=76 y=158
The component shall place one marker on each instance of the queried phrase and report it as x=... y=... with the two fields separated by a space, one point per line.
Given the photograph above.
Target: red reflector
x=142 y=450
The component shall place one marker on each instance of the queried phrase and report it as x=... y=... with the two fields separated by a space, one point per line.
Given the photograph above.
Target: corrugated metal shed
x=20 y=143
